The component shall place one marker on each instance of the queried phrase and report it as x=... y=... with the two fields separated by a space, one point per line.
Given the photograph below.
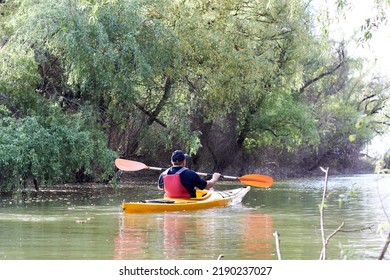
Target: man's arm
x=212 y=181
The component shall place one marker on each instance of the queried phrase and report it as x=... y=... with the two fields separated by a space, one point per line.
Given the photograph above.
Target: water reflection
x=81 y=222
x=244 y=235
x=257 y=236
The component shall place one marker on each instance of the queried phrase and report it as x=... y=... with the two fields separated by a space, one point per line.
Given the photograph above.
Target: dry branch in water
x=277 y=241
x=325 y=240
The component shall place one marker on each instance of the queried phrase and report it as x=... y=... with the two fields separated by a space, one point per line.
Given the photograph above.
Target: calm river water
x=86 y=222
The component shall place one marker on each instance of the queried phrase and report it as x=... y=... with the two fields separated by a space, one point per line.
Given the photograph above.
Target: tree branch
x=323 y=252
x=319 y=77
x=146 y=112
x=153 y=115
x=359 y=229
x=384 y=250
x=160 y=105
x=277 y=242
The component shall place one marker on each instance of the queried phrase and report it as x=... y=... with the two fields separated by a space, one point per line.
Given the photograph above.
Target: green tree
x=243 y=71
x=204 y=76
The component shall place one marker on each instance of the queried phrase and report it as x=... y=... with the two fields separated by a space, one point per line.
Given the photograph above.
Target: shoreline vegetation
x=365 y=165
x=242 y=87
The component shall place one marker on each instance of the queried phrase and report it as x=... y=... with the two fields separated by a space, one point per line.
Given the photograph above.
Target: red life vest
x=173 y=186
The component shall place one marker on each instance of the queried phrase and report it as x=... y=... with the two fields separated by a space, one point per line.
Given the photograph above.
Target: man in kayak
x=180 y=182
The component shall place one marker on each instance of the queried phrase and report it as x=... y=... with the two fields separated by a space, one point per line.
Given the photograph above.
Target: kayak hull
x=204 y=200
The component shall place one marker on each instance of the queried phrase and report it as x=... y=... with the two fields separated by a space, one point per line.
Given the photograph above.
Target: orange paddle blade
x=256 y=180
x=129 y=165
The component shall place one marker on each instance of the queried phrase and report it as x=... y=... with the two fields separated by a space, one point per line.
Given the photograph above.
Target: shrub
x=51 y=150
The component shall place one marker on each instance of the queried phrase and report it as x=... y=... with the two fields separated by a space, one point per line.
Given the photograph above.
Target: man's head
x=178 y=157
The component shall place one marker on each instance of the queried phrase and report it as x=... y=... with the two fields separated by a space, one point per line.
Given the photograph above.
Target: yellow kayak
x=204 y=199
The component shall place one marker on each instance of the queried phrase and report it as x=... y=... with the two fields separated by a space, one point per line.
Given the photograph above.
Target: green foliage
x=163 y=74
x=51 y=150
x=346 y=253
x=20 y=83
x=382 y=229
x=347 y=196
x=283 y=125
x=245 y=58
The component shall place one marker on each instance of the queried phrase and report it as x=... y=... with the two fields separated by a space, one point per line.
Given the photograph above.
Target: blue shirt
x=188 y=178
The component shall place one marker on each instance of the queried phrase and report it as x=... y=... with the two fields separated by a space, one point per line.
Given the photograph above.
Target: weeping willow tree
x=245 y=68
x=145 y=63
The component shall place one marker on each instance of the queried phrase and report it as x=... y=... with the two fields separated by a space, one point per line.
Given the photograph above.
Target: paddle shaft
x=199 y=173
x=222 y=176
x=254 y=180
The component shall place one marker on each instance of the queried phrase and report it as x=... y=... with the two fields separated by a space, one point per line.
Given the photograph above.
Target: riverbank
x=364 y=165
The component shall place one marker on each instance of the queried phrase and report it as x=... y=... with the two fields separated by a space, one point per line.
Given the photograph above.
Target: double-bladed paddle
x=254 y=180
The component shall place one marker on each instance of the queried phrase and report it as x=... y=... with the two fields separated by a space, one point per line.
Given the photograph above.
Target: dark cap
x=178 y=156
